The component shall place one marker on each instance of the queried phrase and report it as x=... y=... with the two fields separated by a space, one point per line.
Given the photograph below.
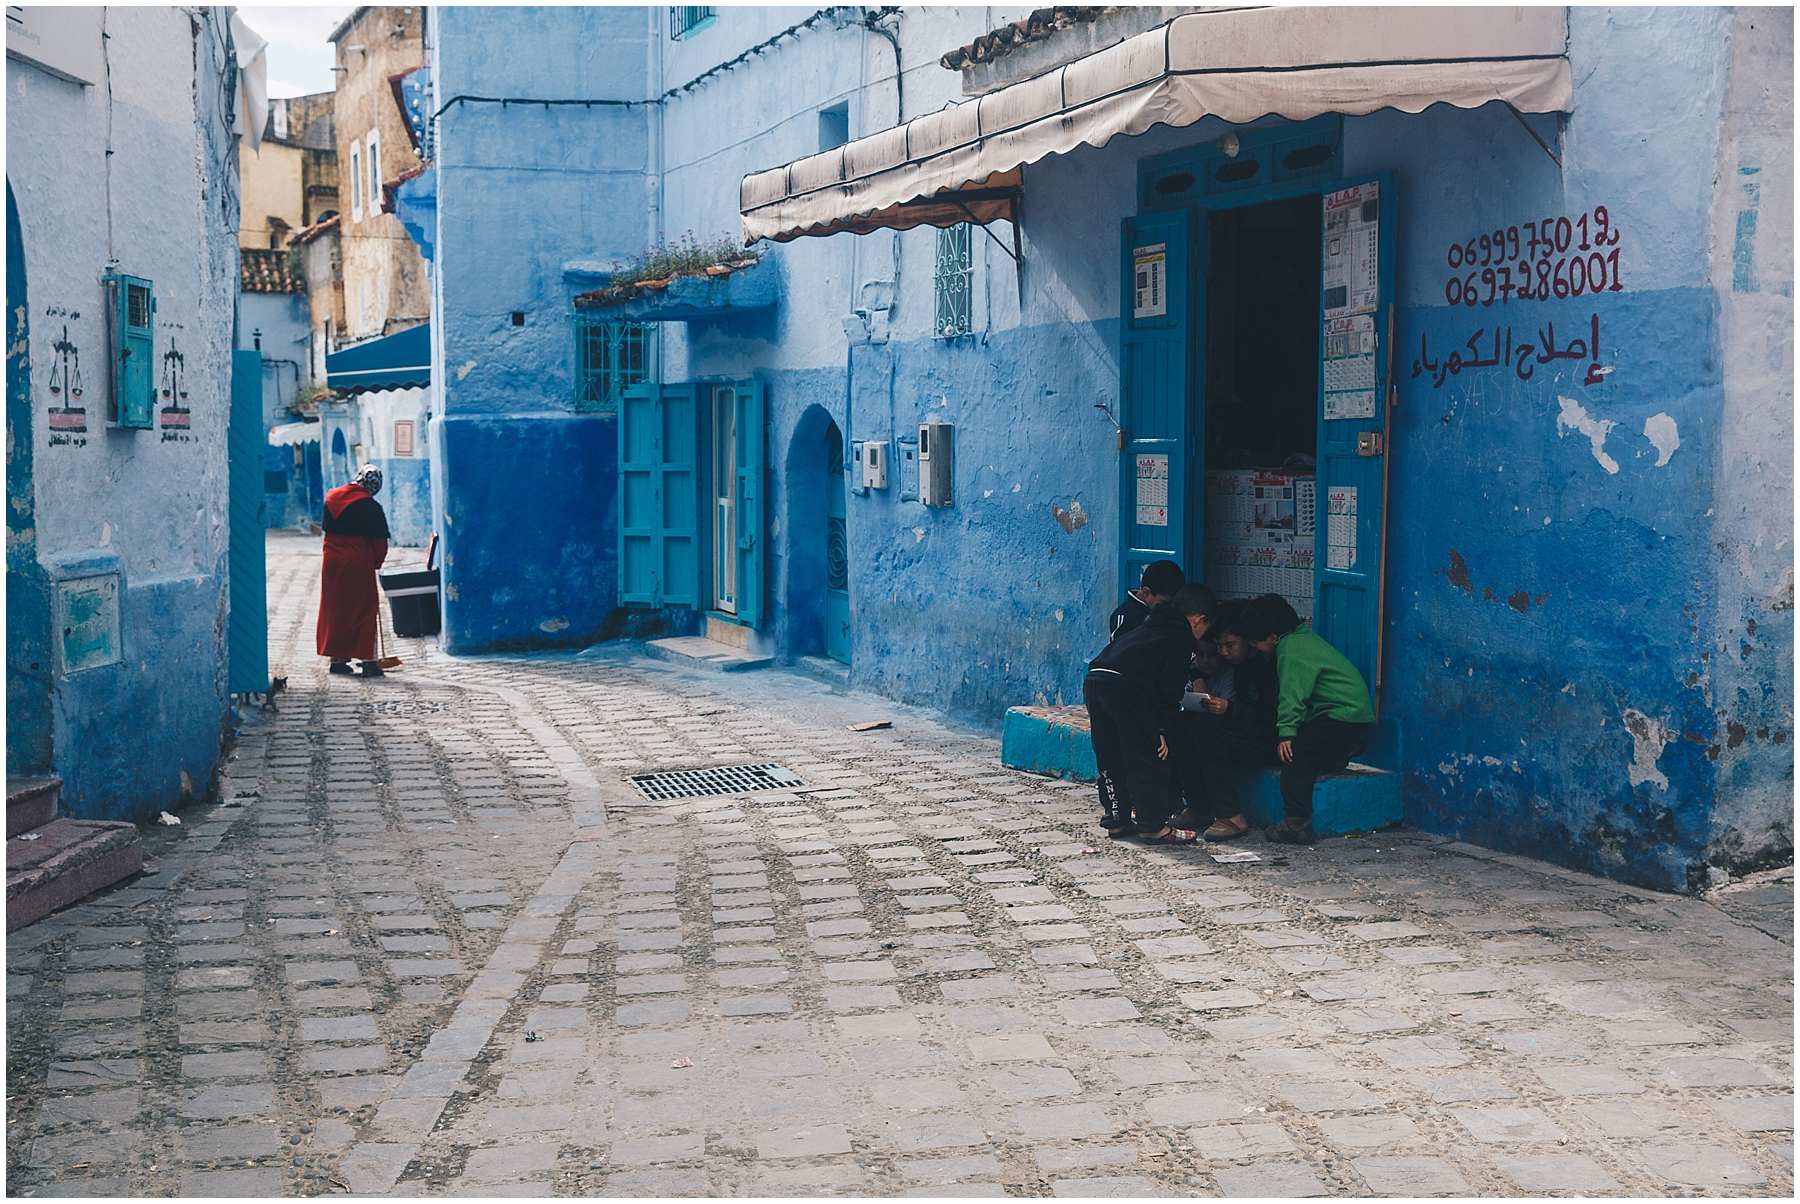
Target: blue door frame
x=1177 y=193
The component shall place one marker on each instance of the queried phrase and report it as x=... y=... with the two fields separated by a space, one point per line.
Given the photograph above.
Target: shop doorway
x=1258 y=327
x=1255 y=377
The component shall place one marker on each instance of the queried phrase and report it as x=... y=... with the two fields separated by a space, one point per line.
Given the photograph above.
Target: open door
x=247 y=665
x=659 y=495
x=1160 y=456
x=1356 y=306
x=748 y=430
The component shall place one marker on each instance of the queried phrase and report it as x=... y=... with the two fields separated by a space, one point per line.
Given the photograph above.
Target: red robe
x=349 y=602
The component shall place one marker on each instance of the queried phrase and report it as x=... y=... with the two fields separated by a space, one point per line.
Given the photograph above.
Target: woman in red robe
x=356 y=540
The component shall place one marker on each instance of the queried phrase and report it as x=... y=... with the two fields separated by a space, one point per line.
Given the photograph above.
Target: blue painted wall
x=522 y=191
x=1559 y=608
x=141 y=734
x=29 y=731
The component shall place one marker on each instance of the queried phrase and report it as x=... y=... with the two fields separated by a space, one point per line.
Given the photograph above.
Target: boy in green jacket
x=1323 y=716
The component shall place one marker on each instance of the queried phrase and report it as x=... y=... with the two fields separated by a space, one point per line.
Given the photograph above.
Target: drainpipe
x=874 y=22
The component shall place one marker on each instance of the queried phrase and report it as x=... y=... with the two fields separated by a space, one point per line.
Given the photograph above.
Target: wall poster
x=1149 y=272
x=1340 y=527
x=1153 y=491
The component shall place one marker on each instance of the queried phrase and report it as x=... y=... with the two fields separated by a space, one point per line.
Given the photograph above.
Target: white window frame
x=374 y=165
x=356 y=182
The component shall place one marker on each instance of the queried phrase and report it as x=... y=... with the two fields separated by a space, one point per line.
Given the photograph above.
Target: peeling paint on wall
x=1648 y=739
x=1571 y=417
x=1660 y=430
x=1070 y=520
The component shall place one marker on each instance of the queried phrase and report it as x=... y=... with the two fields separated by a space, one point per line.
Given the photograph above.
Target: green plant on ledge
x=662 y=264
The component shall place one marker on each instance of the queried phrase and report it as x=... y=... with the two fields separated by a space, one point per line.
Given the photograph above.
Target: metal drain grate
x=401 y=708
x=722 y=779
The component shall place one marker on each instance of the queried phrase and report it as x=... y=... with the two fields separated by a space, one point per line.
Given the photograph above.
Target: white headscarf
x=369 y=477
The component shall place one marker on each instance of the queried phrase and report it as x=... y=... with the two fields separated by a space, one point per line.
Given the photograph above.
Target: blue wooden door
x=748 y=431
x=659 y=496
x=1158 y=305
x=248 y=651
x=836 y=552
x=1356 y=307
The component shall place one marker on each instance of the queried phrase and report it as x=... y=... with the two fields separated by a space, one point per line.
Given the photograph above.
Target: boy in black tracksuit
x=1160 y=580
x=1238 y=731
x=1133 y=692
x=1157 y=584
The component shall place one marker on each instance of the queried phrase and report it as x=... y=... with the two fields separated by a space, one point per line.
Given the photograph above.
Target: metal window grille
x=610 y=357
x=137 y=305
x=954 y=280
x=723 y=779
x=685 y=19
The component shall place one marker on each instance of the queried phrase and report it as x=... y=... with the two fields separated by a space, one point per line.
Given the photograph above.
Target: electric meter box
x=874 y=465
x=937 y=459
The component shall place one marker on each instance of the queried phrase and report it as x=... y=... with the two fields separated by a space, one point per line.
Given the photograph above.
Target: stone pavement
x=432 y=942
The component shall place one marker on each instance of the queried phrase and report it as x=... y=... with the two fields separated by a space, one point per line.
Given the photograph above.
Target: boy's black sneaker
x=341 y=667
x=1112 y=823
x=1292 y=831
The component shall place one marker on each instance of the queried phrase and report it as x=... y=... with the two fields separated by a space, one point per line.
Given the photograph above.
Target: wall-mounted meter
x=937 y=458
x=874 y=465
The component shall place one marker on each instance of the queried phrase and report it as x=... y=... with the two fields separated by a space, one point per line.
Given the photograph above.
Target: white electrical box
x=874 y=465
x=937 y=459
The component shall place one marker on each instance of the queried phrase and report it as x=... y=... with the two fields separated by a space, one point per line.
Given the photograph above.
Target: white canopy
x=293 y=433
x=963 y=163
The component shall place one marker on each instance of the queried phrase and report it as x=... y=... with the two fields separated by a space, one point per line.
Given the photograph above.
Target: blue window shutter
x=751 y=415
x=247 y=662
x=640 y=501
x=1347 y=609
x=1153 y=395
x=678 y=466
x=133 y=402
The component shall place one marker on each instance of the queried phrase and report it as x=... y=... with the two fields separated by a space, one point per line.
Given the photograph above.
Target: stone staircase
x=1363 y=798
x=51 y=862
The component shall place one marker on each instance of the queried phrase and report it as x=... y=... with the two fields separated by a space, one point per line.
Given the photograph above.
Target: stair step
x=66 y=861
x=1056 y=740
x=30 y=803
x=704 y=653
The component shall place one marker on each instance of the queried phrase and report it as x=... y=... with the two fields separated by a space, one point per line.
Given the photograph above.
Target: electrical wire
x=766 y=44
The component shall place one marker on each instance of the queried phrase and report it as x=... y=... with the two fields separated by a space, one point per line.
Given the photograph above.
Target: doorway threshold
x=699 y=652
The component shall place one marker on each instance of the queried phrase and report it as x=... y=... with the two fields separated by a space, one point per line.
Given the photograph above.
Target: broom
x=386 y=662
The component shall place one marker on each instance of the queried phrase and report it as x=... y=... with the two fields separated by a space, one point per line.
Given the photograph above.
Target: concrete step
x=724 y=631
x=700 y=652
x=63 y=862
x=825 y=669
x=1056 y=741
x=30 y=803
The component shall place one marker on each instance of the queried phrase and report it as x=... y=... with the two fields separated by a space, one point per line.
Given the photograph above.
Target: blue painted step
x=1055 y=740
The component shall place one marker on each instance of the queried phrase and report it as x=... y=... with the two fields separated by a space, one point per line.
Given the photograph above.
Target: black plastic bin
x=413 y=601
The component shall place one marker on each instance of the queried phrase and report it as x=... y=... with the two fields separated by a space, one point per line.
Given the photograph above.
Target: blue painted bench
x=1056 y=741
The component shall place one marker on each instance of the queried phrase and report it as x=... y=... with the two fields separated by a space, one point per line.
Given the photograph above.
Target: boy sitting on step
x=1323 y=716
x=1133 y=692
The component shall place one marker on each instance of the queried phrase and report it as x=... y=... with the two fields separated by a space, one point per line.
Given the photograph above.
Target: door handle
x=1368 y=443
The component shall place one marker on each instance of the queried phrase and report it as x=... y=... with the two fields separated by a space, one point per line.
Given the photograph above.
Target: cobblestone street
x=431 y=941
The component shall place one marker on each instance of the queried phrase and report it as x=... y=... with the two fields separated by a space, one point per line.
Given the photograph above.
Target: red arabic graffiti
x=1523 y=357
x=1553 y=258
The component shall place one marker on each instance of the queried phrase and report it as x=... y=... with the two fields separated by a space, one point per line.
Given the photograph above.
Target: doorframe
x=1261 y=144
x=721 y=551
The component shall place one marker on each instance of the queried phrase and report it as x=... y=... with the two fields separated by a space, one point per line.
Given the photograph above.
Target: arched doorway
x=340 y=457
x=837 y=551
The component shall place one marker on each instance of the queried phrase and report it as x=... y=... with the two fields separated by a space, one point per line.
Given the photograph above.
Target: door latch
x=1368 y=443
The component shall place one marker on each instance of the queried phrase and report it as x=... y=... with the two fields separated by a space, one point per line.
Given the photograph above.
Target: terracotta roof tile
x=1008 y=38
x=317 y=228
x=262 y=271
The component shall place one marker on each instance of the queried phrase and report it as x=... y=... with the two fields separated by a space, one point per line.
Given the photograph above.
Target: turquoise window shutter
x=640 y=497
x=133 y=400
x=1161 y=455
x=1351 y=500
x=679 y=468
x=751 y=482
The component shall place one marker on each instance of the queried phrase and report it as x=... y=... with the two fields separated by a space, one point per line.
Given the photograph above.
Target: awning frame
x=1529 y=66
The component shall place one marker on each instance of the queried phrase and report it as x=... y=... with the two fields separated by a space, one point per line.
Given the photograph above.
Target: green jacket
x=1316 y=682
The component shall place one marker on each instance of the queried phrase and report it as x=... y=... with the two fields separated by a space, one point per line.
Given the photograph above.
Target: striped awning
x=292 y=434
x=965 y=163
x=400 y=360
